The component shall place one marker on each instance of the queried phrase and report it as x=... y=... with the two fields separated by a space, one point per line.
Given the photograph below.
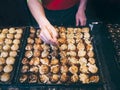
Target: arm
x=48 y=33
x=80 y=15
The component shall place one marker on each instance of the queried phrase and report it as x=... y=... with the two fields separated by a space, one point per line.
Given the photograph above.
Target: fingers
x=77 y=21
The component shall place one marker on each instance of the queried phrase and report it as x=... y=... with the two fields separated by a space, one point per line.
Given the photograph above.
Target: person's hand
x=48 y=33
x=80 y=17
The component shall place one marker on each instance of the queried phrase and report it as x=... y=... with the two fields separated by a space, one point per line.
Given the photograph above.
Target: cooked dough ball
x=64 y=69
x=61 y=40
x=10 y=60
x=89 y=47
x=86 y=35
x=1 y=41
x=28 y=54
x=37 y=47
x=94 y=79
x=71 y=41
x=54 y=48
x=25 y=61
x=74 y=78
x=12 y=30
x=70 y=36
x=91 y=60
x=79 y=36
x=2 y=36
x=4 y=54
x=63 y=54
x=73 y=69
x=70 y=30
x=54 y=61
x=64 y=77
x=33 y=78
x=2 y=61
x=84 y=78
x=8 y=41
x=85 y=30
x=19 y=30
x=36 y=53
x=5 y=77
x=34 y=69
x=32 y=30
x=29 y=47
x=81 y=53
x=82 y=61
x=18 y=36
x=14 y=47
x=44 y=78
x=62 y=35
x=90 y=53
x=16 y=41
x=23 y=78
x=44 y=54
x=8 y=68
x=13 y=53
x=87 y=41
x=80 y=46
x=62 y=29
x=54 y=78
x=71 y=53
x=25 y=68
x=6 y=47
x=5 y=31
x=38 y=40
x=44 y=61
x=71 y=47
x=72 y=60
x=92 y=68
x=1 y=68
x=84 y=69
x=63 y=47
x=10 y=36
x=45 y=47
x=64 y=61
x=43 y=69
x=34 y=61
x=30 y=40
x=55 y=68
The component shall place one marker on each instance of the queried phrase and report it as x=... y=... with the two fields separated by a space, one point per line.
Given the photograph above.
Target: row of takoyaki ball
x=9 y=45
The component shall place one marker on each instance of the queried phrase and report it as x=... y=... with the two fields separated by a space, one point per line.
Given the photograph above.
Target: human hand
x=80 y=17
x=48 y=33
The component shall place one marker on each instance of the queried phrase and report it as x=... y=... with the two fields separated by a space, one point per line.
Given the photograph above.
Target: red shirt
x=59 y=4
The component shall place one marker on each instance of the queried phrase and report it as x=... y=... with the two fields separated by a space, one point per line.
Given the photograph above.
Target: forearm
x=37 y=11
x=82 y=5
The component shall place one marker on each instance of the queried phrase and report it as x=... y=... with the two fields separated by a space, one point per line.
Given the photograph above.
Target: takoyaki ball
x=5 y=31
x=25 y=61
x=33 y=78
x=91 y=60
x=10 y=60
x=90 y=53
x=34 y=69
x=84 y=69
x=12 y=30
x=63 y=54
x=64 y=77
x=36 y=53
x=79 y=40
x=29 y=47
x=6 y=47
x=84 y=78
x=13 y=53
x=1 y=41
x=92 y=68
x=2 y=61
x=64 y=69
x=15 y=47
x=18 y=36
x=32 y=30
x=70 y=36
x=8 y=68
x=71 y=41
x=89 y=47
x=28 y=54
x=24 y=68
x=74 y=78
x=4 y=54
x=94 y=79
x=85 y=30
x=79 y=36
x=72 y=60
x=38 y=41
x=86 y=35
x=80 y=46
x=32 y=35
x=55 y=69
x=87 y=41
x=54 y=78
x=62 y=29
x=79 y=30
x=45 y=47
x=70 y=30
x=44 y=78
x=44 y=54
x=38 y=33
x=19 y=30
x=54 y=61
x=30 y=40
x=62 y=35
x=16 y=41
x=54 y=48
x=37 y=47
x=8 y=41
x=2 y=36
x=71 y=47
x=81 y=53
x=64 y=61
x=43 y=69
x=83 y=61
x=72 y=53
x=44 y=61
x=1 y=68
x=5 y=77
x=23 y=78
x=73 y=69
x=61 y=40
x=34 y=61
x=10 y=36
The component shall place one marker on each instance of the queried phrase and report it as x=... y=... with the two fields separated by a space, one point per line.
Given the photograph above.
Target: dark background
x=16 y=13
